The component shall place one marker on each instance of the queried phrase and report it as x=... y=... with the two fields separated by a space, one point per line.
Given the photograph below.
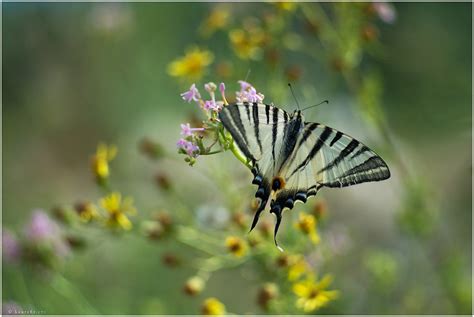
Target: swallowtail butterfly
x=292 y=159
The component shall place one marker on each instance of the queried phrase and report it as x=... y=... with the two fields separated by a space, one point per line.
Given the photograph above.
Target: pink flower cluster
x=248 y=93
x=385 y=11
x=40 y=231
x=188 y=144
x=188 y=147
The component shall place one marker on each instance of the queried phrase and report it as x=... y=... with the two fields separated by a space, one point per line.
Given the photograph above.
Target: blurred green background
x=78 y=74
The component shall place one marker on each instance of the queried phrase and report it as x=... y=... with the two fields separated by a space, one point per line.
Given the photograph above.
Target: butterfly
x=292 y=159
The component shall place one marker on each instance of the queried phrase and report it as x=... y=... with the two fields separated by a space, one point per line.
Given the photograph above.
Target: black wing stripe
x=307 y=132
x=256 y=125
x=344 y=153
x=319 y=143
x=336 y=138
x=231 y=127
x=363 y=149
x=274 y=132
x=371 y=164
x=235 y=114
x=267 y=113
x=290 y=137
x=247 y=110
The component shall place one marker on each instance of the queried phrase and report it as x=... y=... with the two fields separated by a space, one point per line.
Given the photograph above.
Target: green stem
x=68 y=290
x=239 y=155
x=22 y=285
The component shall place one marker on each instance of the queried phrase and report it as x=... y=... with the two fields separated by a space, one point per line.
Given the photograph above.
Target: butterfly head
x=297 y=117
x=297 y=114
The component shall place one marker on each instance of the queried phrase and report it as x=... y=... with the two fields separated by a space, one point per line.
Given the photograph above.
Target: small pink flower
x=244 y=85
x=385 y=11
x=181 y=143
x=186 y=129
x=213 y=105
x=190 y=148
x=192 y=94
x=254 y=96
x=210 y=105
x=248 y=93
x=41 y=226
x=42 y=229
x=222 y=88
x=10 y=247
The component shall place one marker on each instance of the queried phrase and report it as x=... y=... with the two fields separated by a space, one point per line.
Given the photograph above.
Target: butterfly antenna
x=294 y=96
x=325 y=101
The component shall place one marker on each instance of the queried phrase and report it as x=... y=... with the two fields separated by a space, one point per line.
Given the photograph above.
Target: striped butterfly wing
x=326 y=157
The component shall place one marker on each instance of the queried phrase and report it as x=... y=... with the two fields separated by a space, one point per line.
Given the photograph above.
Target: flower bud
x=212 y=306
x=170 y=260
x=194 y=286
x=268 y=292
x=163 y=182
x=240 y=219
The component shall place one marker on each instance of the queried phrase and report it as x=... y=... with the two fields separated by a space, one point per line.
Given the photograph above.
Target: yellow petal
x=101 y=151
x=124 y=222
x=314 y=237
x=111 y=152
x=325 y=282
x=309 y=305
x=301 y=289
x=101 y=168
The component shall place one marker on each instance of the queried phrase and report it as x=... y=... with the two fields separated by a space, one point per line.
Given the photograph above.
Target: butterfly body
x=292 y=159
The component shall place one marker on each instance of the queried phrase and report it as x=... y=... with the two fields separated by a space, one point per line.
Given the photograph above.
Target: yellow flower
x=117 y=208
x=307 y=225
x=312 y=295
x=87 y=211
x=236 y=246
x=212 y=306
x=192 y=65
x=285 y=6
x=217 y=19
x=100 y=161
x=247 y=44
x=297 y=267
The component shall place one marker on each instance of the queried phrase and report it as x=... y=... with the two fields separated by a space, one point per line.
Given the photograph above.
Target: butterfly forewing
x=256 y=128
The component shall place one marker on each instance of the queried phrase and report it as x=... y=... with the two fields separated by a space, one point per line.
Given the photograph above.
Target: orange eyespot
x=278 y=183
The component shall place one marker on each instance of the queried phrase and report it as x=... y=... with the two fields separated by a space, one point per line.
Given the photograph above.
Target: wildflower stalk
x=21 y=282
x=68 y=290
x=239 y=155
